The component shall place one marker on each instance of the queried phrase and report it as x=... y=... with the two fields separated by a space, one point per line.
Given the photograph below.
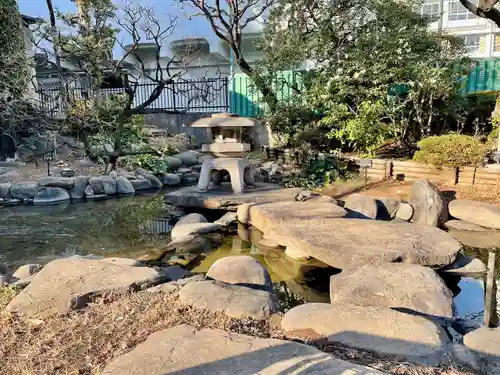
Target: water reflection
x=120 y=226
x=295 y=282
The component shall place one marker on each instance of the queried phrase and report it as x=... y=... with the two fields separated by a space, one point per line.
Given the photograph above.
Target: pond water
x=138 y=227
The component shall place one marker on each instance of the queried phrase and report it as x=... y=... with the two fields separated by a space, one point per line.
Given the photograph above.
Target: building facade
x=481 y=36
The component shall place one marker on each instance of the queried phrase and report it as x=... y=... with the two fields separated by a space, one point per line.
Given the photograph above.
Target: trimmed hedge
x=453 y=150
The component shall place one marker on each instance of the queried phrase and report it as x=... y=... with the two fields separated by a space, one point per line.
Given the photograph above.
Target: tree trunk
x=495 y=115
x=267 y=92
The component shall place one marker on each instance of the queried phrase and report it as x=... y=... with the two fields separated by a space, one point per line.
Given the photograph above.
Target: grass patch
x=85 y=342
x=6 y=295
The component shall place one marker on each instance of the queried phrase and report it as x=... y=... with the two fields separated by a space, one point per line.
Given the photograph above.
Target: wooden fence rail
x=409 y=171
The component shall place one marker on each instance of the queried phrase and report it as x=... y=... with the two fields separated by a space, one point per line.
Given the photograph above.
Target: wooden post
x=490 y=308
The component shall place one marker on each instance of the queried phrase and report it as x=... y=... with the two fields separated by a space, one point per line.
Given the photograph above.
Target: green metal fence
x=245 y=99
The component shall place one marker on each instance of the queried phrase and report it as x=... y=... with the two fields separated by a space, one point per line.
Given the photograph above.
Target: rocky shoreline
x=388 y=300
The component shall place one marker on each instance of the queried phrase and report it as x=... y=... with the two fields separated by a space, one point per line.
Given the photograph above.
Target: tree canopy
x=377 y=71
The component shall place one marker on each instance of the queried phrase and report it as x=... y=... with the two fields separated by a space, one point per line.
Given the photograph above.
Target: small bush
x=453 y=150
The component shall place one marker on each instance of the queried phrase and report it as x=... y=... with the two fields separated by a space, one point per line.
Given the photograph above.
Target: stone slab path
x=347 y=243
x=182 y=350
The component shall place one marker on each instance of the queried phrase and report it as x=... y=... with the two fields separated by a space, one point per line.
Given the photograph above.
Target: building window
x=474 y=43
x=497 y=43
x=458 y=12
x=430 y=9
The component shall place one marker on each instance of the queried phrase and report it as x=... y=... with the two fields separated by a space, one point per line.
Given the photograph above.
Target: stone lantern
x=228 y=133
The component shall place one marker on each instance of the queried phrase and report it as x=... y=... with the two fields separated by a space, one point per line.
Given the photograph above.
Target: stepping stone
x=479 y=213
x=348 y=243
x=233 y=300
x=66 y=284
x=184 y=350
x=381 y=330
x=393 y=285
x=264 y=216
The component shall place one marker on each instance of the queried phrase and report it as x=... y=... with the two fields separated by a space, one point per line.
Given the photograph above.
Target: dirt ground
x=402 y=190
x=83 y=342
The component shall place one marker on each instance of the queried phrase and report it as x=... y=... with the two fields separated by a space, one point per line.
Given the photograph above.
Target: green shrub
x=451 y=150
x=153 y=163
x=321 y=172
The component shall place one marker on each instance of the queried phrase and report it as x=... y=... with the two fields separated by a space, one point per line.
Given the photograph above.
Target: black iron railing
x=202 y=95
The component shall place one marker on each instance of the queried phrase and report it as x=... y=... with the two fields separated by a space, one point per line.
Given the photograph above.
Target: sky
x=196 y=27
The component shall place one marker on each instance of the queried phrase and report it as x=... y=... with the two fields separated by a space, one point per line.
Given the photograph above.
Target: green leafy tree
x=378 y=72
x=14 y=67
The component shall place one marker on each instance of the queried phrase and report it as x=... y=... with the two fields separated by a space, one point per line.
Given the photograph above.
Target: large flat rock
x=479 y=213
x=485 y=342
x=377 y=329
x=347 y=243
x=222 y=197
x=66 y=284
x=264 y=216
x=182 y=350
x=393 y=285
x=233 y=300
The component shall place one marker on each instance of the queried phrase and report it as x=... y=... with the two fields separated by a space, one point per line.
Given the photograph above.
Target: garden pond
x=138 y=227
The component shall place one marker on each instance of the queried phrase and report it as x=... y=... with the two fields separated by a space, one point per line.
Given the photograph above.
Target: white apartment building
x=481 y=36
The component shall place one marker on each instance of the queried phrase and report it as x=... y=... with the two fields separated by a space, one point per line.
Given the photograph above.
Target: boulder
x=179 y=232
x=173 y=163
x=60 y=182
x=377 y=329
x=405 y=212
x=188 y=158
x=227 y=219
x=483 y=240
x=241 y=270
x=190 y=178
x=124 y=186
x=51 y=195
x=347 y=243
x=66 y=284
x=465 y=266
x=193 y=218
x=387 y=208
x=226 y=199
x=21 y=190
x=103 y=185
x=67 y=172
x=24 y=274
x=187 y=350
x=479 y=213
x=89 y=192
x=113 y=175
x=170 y=179
x=361 y=207
x=4 y=190
x=264 y=216
x=428 y=204
x=393 y=285
x=141 y=184
x=155 y=181
x=184 y=170
x=463 y=225
x=485 y=343
x=78 y=191
x=233 y=300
